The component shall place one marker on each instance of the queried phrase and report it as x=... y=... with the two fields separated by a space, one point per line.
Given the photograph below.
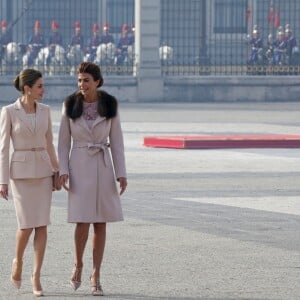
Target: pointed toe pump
x=16 y=267
x=76 y=277
x=96 y=287
x=36 y=292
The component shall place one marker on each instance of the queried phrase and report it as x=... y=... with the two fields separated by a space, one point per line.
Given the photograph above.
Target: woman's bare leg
x=39 y=243
x=80 y=237
x=22 y=238
x=98 y=248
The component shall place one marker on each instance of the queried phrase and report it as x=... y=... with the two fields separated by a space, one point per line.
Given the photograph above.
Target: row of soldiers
x=37 y=40
x=279 y=51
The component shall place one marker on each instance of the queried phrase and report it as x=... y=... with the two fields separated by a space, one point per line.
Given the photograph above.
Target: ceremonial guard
x=106 y=36
x=55 y=38
x=93 y=43
x=256 y=43
x=5 y=38
x=280 y=48
x=77 y=38
x=291 y=43
x=131 y=35
x=122 y=46
x=36 y=42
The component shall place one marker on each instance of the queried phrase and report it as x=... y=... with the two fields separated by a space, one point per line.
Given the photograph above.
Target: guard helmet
x=255 y=29
x=105 y=26
x=124 y=27
x=37 y=24
x=54 y=25
x=3 y=24
x=77 y=25
x=95 y=27
x=288 y=28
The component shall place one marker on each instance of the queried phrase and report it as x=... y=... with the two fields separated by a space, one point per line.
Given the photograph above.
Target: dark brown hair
x=92 y=69
x=107 y=105
x=26 y=77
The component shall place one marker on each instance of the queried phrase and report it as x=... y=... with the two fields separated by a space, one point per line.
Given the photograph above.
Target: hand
x=4 y=191
x=63 y=180
x=123 y=184
x=56 y=183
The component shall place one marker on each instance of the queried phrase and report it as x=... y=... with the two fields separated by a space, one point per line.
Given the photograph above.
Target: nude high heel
x=37 y=293
x=96 y=287
x=76 y=277
x=16 y=283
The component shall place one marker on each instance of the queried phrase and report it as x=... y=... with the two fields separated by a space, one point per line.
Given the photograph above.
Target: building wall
x=182 y=89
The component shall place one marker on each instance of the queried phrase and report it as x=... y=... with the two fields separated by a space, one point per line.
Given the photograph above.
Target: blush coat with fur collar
x=93 y=168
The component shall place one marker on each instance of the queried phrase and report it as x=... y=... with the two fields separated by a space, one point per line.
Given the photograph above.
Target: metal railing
x=230 y=37
x=198 y=37
x=54 y=36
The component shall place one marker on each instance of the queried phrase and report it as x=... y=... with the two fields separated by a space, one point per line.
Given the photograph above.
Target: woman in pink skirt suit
x=91 y=124
x=27 y=123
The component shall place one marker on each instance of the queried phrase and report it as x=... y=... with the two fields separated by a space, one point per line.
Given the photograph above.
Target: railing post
x=148 y=71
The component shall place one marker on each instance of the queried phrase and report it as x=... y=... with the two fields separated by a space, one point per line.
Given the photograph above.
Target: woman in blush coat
x=27 y=123
x=93 y=166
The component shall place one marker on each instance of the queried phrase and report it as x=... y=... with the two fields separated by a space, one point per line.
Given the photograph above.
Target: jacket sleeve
x=5 y=130
x=50 y=145
x=64 y=143
x=117 y=147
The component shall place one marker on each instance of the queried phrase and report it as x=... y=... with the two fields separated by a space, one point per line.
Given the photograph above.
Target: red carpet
x=223 y=141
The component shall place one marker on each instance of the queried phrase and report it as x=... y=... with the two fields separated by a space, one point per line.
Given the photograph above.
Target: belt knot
x=94 y=148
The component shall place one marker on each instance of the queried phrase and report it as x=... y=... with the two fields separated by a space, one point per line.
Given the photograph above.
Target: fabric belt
x=94 y=148
x=31 y=149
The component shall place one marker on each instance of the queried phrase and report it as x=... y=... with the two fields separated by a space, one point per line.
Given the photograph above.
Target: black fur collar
x=107 y=105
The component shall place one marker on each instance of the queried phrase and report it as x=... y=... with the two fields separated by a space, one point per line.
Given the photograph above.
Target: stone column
x=147 y=42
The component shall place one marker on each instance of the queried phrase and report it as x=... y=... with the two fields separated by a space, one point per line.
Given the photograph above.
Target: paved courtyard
x=213 y=224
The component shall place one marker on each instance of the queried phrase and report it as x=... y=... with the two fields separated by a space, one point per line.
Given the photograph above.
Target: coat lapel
x=97 y=121
x=20 y=112
x=81 y=122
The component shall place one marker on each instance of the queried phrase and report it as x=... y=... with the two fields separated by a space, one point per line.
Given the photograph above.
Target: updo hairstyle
x=26 y=77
